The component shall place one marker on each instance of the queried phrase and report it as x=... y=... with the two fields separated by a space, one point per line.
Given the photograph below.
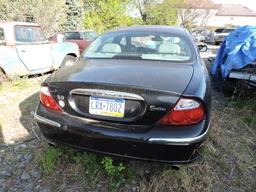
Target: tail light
x=47 y=100
x=186 y=112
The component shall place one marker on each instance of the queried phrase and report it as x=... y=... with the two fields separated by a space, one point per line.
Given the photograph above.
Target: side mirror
x=60 y=38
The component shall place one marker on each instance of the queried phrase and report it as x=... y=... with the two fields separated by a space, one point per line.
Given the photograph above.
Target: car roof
x=153 y=28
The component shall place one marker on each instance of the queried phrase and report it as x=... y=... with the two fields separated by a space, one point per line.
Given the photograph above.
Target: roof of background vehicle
x=87 y=30
x=153 y=28
x=14 y=23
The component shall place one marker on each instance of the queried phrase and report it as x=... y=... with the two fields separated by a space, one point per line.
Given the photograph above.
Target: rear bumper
x=153 y=145
x=153 y=140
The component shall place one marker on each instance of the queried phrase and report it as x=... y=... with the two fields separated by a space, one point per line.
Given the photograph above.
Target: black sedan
x=137 y=92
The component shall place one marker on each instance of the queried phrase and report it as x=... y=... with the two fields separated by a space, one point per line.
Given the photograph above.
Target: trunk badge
x=61 y=100
x=155 y=108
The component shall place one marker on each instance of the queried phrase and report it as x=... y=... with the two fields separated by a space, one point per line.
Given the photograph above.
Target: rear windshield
x=219 y=30
x=141 y=45
x=228 y=30
x=90 y=35
x=29 y=34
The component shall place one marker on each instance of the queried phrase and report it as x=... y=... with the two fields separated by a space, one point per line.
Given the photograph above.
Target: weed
x=116 y=172
x=90 y=166
x=111 y=169
x=130 y=172
x=49 y=159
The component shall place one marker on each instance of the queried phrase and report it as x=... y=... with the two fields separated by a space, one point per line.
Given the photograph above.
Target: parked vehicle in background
x=203 y=36
x=82 y=38
x=138 y=92
x=199 y=35
x=220 y=34
x=236 y=60
x=24 y=50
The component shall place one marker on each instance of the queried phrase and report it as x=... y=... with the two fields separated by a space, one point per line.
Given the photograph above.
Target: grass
x=49 y=159
x=227 y=163
x=86 y=168
x=115 y=172
x=16 y=85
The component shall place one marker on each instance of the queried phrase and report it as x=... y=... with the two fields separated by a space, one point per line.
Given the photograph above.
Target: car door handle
x=23 y=51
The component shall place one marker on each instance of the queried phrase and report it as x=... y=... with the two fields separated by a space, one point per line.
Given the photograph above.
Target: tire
x=229 y=86
x=68 y=60
x=217 y=80
x=204 y=48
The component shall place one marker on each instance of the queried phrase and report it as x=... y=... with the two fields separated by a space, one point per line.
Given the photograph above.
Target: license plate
x=107 y=107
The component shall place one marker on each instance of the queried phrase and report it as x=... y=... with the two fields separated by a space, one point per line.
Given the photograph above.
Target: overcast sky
x=248 y=3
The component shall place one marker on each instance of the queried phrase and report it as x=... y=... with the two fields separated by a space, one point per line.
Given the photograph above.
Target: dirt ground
x=228 y=161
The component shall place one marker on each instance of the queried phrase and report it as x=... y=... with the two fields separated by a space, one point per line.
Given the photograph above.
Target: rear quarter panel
x=60 y=50
x=200 y=86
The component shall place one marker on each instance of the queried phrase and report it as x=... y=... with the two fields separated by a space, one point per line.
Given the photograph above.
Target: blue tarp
x=237 y=51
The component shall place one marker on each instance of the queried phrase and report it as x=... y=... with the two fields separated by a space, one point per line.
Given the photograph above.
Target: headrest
x=169 y=48
x=111 y=48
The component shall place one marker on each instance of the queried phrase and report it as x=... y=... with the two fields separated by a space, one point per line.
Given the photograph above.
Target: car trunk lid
x=148 y=89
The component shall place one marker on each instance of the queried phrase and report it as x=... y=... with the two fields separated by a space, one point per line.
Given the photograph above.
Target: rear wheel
x=68 y=61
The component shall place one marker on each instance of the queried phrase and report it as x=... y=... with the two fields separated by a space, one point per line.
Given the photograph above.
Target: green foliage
x=111 y=169
x=105 y=14
x=49 y=159
x=144 y=6
x=162 y=14
x=16 y=84
x=49 y=14
x=116 y=172
x=74 y=11
x=90 y=166
x=4 y=9
x=247 y=108
x=153 y=12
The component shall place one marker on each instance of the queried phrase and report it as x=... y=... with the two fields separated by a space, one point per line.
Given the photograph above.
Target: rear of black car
x=150 y=110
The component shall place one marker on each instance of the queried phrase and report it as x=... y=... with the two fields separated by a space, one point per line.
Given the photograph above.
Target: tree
x=74 y=13
x=190 y=11
x=161 y=14
x=4 y=7
x=105 y=14
x=144 y=6
x=49 y=14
